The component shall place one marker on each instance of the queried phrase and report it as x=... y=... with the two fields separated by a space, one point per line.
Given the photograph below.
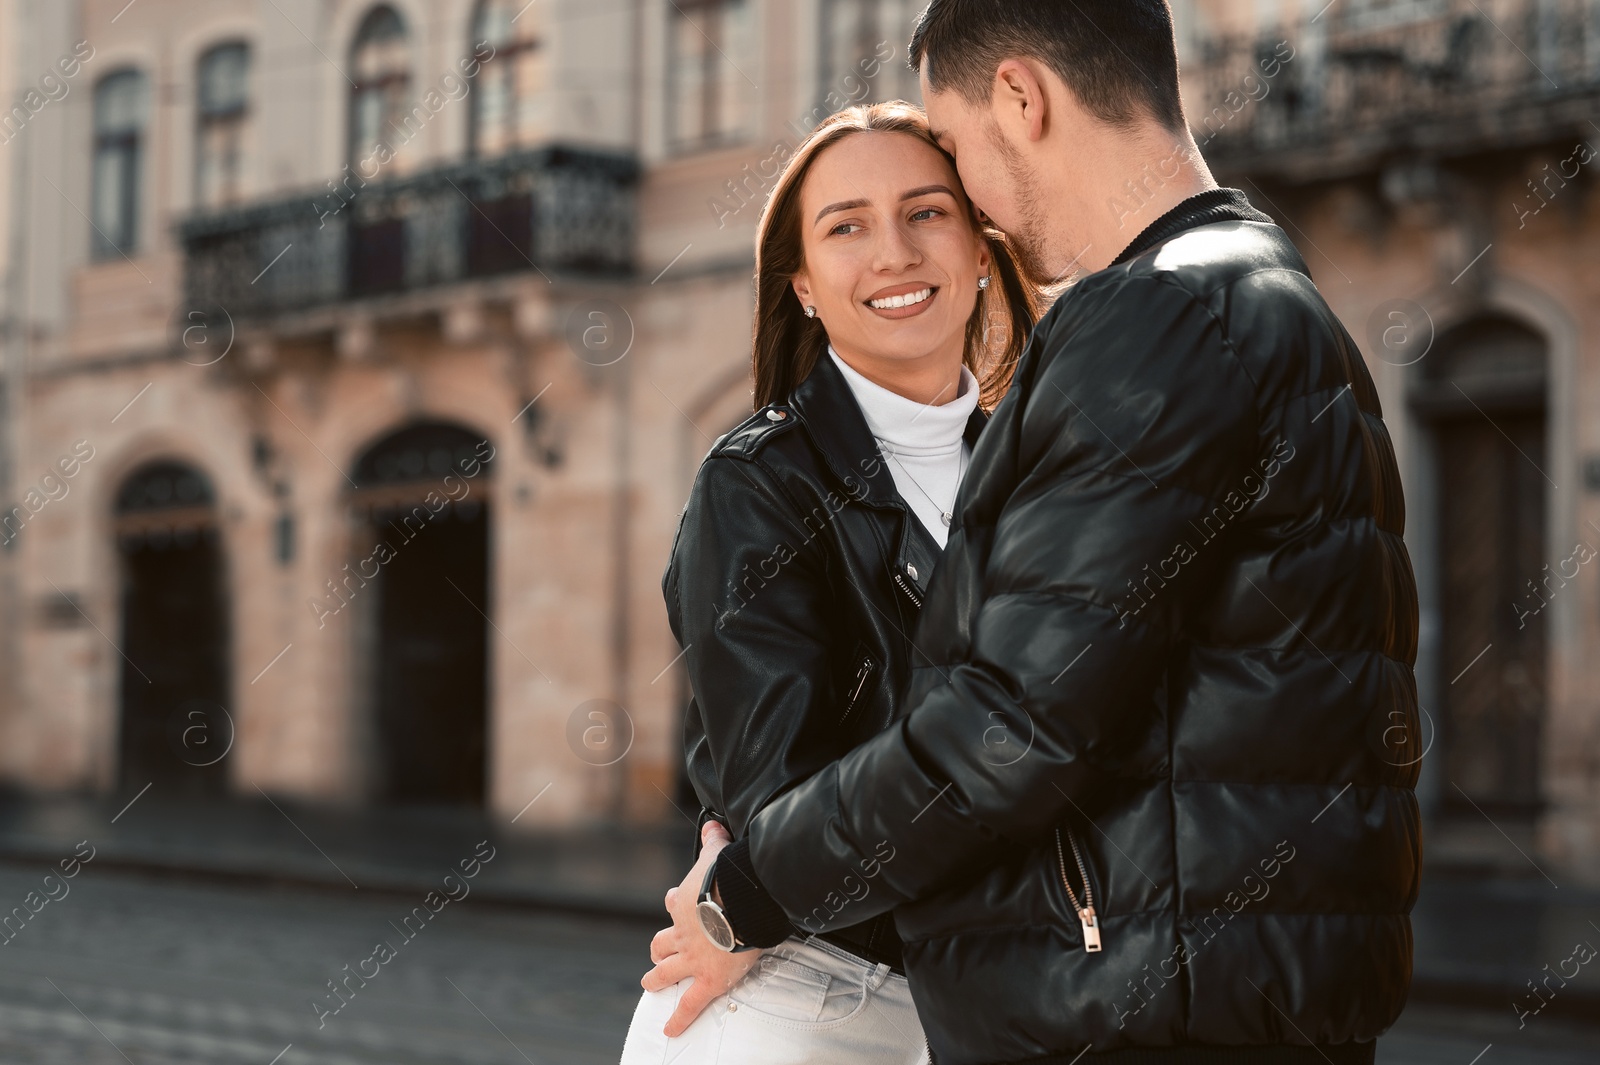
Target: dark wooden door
x=1492 y=541
x=431 y=686
x=175 y=731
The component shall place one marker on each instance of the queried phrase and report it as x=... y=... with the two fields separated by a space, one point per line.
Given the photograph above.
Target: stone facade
x=592 y=453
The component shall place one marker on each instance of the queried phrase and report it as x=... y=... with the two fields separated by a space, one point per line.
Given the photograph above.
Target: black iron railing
x=552 y=210
x=1365 y=81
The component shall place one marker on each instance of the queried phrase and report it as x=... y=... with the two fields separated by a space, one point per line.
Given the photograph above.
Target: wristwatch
x=713 y=922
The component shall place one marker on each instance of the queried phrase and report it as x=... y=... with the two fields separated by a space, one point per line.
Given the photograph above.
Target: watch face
x=715 y=925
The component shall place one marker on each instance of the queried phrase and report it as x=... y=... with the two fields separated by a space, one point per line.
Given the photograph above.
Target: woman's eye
x=926 y=214
x=839 y=230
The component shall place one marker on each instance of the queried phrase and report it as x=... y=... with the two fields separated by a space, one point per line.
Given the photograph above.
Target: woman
x=887 y=317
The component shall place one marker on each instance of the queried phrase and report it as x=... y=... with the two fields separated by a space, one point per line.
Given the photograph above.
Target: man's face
x=960 y=130
x=997 y=177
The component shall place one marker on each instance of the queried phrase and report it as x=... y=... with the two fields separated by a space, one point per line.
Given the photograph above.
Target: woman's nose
x=896 y=250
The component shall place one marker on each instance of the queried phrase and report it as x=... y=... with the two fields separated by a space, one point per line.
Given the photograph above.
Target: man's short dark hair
x=1117 y=56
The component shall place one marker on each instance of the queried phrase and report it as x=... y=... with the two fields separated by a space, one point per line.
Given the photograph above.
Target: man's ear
x=1019 y=99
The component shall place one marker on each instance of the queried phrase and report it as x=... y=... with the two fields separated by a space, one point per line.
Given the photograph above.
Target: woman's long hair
x=787 y=344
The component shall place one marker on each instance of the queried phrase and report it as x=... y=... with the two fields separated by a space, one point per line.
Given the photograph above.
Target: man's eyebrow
x=909 y=194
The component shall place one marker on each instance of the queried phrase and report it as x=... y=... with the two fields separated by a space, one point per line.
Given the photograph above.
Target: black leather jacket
x=795 y=580
x=1177 y=590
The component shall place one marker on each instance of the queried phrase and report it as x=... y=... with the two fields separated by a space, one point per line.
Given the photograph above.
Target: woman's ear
x=985 y=257
x=802 y=289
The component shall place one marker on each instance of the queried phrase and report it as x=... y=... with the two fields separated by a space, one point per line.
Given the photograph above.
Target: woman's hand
x=683 y=951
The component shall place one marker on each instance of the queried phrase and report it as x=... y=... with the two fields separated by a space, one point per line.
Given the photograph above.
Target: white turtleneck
x=922 y=444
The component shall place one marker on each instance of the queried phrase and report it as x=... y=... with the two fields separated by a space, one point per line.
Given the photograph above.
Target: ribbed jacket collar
x=1201 y=209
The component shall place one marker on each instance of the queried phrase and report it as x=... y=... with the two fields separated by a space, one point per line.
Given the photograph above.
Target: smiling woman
x=867 y=229
x=802 y=558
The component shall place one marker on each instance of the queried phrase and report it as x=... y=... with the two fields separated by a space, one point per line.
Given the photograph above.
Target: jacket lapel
x=835 y=422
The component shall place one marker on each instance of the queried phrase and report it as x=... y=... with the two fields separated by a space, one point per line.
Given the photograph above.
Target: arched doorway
x=421 y=505
x=174 y=726
x=1483 y=396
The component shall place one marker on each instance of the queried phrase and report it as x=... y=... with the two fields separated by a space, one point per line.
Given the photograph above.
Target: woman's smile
x=902 y=301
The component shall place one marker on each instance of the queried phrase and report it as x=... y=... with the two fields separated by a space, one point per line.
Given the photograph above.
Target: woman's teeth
x=910 y=299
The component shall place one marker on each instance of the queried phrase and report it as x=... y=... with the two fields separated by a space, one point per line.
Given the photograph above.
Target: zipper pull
x=859 y=683
x=1086 y=915
x=1091 y=930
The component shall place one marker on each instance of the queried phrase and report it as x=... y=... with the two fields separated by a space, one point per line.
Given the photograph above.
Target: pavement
x=132 y=968
x=140 y=968
x=1480 y=938
x=608 y=872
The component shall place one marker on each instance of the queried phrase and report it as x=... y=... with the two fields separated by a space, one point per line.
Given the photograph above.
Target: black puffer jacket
x=1173 y=633
x=794 y=584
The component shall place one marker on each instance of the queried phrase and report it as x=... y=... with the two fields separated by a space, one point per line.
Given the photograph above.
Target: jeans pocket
x=784 y=989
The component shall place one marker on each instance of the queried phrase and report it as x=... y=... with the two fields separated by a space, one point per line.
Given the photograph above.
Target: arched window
x=1492 y=359
x=168 y=487
x=121 y=101
x=420 y=454
x=507 y=91
x=380 y=63
x=222 y=116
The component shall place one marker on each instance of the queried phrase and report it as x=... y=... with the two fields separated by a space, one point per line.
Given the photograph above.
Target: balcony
x=549 y=212
x=1440 y=79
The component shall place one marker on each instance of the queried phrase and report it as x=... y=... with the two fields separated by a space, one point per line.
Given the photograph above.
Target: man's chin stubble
x=1032 y=259
x=1027 y=241
x=1046 y=269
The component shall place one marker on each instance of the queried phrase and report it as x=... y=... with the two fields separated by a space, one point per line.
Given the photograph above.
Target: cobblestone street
x=129 y=968
x=184 y=972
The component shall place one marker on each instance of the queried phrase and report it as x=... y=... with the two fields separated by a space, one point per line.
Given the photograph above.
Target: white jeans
x=807 y=1002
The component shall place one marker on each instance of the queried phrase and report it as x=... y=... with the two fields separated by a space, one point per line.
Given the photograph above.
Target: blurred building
x=1435 y=161
x=347 y=429
x=358 y=357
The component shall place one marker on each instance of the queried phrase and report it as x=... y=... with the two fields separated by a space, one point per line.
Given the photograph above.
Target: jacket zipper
x=857 y=685
x=905 y=586
x=1086 y=914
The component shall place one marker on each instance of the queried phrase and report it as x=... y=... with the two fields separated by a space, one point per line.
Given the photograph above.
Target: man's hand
x=683 y=951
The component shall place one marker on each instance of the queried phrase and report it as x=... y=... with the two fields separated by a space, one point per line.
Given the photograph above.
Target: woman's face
x=892 y=259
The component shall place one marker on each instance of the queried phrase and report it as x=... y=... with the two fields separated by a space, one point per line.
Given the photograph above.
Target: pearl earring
x=811 y=312
x=983 y=282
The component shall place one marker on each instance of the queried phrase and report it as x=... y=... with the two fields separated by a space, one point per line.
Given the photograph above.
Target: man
x=1150 y=797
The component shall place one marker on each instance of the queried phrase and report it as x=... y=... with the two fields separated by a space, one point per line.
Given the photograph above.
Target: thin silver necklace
x=946 y=514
